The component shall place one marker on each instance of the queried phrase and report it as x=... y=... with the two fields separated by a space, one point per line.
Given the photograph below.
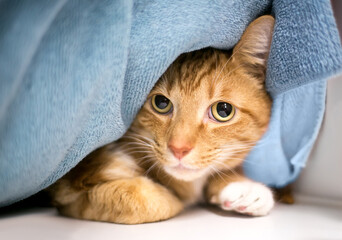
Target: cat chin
x=185 y=174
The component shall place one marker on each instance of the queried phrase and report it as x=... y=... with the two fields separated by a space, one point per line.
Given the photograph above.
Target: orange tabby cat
x=187 y=142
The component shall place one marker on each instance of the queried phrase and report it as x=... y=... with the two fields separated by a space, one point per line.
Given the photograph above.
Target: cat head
x=209 y=108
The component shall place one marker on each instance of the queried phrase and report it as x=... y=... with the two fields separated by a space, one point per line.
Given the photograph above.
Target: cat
x=186 y=144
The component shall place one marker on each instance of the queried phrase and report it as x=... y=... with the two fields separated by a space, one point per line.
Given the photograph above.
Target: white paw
x=247 y=197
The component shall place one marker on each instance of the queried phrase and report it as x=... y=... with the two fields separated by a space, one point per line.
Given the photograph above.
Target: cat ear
x=252 y=50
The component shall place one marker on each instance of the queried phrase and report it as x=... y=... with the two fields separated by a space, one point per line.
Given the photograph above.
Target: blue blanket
x=73 y=74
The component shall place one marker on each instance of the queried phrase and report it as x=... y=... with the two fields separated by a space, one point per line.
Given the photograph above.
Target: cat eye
x=161 y=104
x=222 y=111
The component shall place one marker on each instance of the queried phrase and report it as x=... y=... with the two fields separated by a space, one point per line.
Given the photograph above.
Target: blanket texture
x=73 y=74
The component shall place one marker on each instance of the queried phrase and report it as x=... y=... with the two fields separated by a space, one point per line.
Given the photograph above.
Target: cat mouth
x=184 y=173
x=180 y=167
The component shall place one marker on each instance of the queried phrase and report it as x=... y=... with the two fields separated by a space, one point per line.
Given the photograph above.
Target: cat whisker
x=141 y=136
x=250 y=162
x=227 y=168
x=251 y=141
x=136 y=139
x=234 y=151
x=239 y=148
x=144 y=152
x=229 y=153
x=158 y=171
x=232 y=70
x=222 y=159
x=216 y=171
x=140 y=151
x=134 y=145
x=234 y=172
x=220 y=173
x=230 y=58
x=237 y=145
x=145 y=159
x=150 y=168
x=130 y=148
x=259 y=142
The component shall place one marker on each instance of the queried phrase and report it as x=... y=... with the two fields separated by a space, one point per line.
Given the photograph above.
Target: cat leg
x=236 y=193
x=129 y=201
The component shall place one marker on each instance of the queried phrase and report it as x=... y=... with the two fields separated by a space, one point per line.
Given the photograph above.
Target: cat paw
x=246 y=197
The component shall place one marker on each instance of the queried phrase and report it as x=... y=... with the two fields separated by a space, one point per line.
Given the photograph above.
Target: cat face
x=209 y=108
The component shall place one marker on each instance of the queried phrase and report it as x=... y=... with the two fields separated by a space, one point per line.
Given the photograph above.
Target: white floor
x=308 y=219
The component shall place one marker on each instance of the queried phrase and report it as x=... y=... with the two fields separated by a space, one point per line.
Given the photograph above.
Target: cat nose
x=180 y=149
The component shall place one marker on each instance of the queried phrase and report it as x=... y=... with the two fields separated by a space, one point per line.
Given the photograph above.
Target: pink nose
x=179 y=149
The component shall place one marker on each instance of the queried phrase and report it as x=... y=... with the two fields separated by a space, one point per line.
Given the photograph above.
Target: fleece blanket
x=73 y=74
